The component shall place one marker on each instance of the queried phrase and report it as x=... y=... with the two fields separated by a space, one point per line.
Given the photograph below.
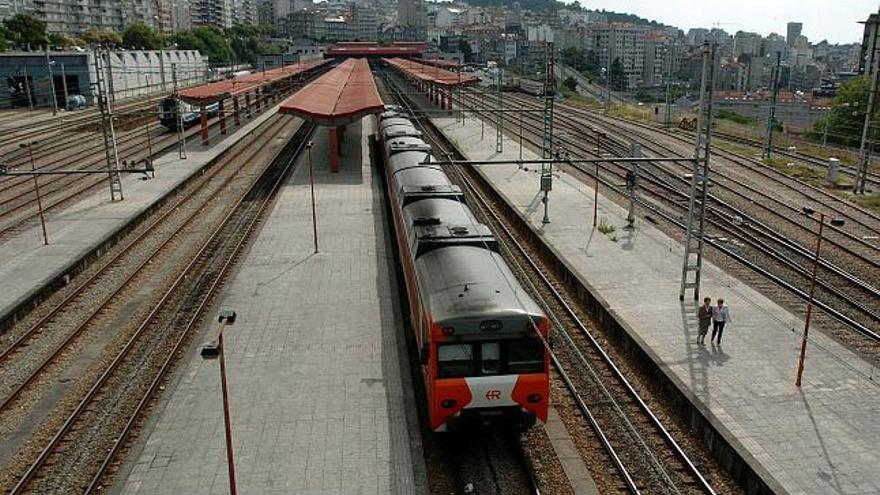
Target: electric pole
x=696 y=221
x=547 y=144
x=106 y=110
x=771 y=115
x=499 y=134
x=867 y=129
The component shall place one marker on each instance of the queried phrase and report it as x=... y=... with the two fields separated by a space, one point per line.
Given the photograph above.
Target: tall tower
x=412 y=18
x=794 y=30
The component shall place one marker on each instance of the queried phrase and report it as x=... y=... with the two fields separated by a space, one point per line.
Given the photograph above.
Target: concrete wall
x=134 y=73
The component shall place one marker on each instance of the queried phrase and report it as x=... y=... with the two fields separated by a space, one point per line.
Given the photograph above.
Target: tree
x=847 y=116
x=139 y=36
x=570 y=83
x=103 y=38
x=209 y=42
x=465 y=48
x=618 y=78
x=59 y=40
x=25 y=31
x=4 y=38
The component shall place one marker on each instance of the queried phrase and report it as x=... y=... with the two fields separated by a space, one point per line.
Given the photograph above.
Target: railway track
x=110 y=409
x=638 y=448
x=847 y=297
x=17 y=199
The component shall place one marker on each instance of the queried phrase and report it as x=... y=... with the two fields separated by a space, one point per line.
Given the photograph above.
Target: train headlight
x=447 y=331
x=448 y=403
x=534 y=398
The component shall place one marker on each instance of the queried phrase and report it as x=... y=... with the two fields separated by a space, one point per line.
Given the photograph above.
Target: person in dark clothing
x=704 y=315
x=720 y=317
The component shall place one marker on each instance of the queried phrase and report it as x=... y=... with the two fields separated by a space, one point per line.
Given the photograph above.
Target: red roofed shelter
x=265 y=86
x=369 y=49
x=339 y=97
x=435 y=82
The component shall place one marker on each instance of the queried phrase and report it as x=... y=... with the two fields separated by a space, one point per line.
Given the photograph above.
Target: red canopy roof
x=437 y=62
x=429 y=73
x=227 y=88
x=343 y=95
x=364 y=49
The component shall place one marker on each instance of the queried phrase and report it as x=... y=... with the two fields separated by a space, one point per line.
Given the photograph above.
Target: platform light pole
x=37 y=191
x=312 y=185
x=212 y=350
x=837 y=223
x=49 y=64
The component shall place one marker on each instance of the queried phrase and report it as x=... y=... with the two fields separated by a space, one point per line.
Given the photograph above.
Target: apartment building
x=620 y=41
x=75 y=17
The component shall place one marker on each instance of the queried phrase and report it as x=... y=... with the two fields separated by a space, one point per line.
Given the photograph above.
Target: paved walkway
x=321 y=401
x=28 y=265
x=820 y=439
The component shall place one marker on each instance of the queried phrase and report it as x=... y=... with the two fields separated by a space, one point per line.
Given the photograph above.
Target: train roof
x=472 y=290
x=410 y=159
x=399 y=131
x=400 y=144
x=394 y=121
x=420 y=177
x=434 y=223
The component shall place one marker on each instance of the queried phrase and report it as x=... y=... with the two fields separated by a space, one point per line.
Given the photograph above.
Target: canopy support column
x=221 y=114
x=335 y=139
x=236 y=111
x=204 y=117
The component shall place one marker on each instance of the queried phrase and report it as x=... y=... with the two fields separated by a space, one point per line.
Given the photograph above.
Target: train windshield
x=490 y=358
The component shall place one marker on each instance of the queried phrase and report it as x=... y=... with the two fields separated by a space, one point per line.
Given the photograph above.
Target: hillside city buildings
x=650 y=54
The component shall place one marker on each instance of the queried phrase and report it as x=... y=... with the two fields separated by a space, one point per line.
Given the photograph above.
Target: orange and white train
x=481 y=337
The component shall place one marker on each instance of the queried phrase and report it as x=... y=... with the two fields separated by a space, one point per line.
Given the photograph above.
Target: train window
x=491 y=358
x=525 y=356
x=455 y=360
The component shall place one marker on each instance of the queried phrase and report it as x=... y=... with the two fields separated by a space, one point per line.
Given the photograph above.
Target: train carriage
x=480 y=336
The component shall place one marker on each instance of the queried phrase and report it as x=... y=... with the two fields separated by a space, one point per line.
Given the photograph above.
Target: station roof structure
x=429 y=73
x=366 y=49
x=439 y=62
x=344 y=94
x=227 y=88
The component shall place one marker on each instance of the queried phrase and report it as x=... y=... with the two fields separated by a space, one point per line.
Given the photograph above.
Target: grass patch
x=576 y=99
x=869 y=201
x=643 y=114
x=735 y=117
x=796 y=170
x=605 y=227
x=734 y=148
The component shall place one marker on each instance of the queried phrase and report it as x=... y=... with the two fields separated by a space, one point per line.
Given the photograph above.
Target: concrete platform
x=822 y=438
x=29 y=266
x=321 y=399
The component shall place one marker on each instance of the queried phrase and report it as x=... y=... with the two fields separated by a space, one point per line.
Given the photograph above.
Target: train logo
x=493 y=395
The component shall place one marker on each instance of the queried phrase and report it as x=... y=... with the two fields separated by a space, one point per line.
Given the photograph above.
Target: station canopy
x=341 y=96
x=227 y=88
x=365 y=49
x=430 y=73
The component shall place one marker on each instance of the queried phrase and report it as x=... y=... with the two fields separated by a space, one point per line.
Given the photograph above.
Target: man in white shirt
x=720 y=317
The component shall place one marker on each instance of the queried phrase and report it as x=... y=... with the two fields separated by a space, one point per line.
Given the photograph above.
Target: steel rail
x=142 y=328
x=839 y=315
x=65 y=343
x=306 y=129
x=585 y=410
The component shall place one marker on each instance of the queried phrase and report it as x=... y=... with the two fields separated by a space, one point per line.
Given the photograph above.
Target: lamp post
x=312 y=185
x=837 y=223
x=37 y=191
x=212 y=350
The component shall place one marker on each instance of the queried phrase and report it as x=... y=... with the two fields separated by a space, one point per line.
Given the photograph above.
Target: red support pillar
x=236 y=111
x=247 y=104
x=258 y=98
x=449 y=99
x=204 y=115
x=334 y=149
x=221 y=113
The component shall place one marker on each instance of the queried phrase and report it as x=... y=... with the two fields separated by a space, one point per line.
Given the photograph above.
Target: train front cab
x=486 y=356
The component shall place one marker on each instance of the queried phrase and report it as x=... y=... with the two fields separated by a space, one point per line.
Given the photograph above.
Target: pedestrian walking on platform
x=704 y=315
x=720 y=317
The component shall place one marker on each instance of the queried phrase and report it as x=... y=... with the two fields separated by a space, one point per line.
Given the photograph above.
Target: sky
x=833 y=20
